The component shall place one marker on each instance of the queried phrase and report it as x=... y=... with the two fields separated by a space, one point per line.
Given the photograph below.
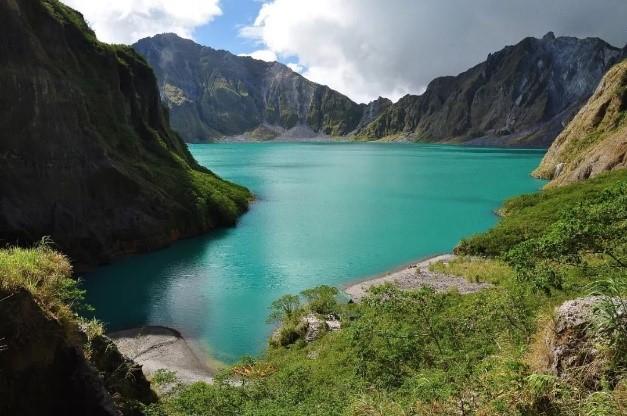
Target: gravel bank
x=416 y=276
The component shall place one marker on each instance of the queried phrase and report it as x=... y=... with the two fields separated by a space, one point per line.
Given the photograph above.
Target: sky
x=362 y=48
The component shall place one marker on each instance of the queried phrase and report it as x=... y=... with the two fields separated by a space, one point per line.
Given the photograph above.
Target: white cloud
x=367 y=48
x=126 y=21
x=262 y=54
x=295 y=67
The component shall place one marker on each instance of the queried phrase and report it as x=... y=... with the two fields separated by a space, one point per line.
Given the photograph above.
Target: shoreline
x=415 y=275
x=159 y=347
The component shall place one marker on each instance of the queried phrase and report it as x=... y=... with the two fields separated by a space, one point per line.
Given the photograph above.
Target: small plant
x=542 y=391
x=91 y=327
x=600 y=403
x=610 y=321
x=163 y=377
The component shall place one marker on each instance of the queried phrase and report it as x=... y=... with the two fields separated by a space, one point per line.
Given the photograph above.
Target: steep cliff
x=595 y=141
x=49 y=363
x=213 y=94
x=520 y=96
x=86 y=152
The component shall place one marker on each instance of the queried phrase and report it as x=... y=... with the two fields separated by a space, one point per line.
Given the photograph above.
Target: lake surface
x=325 y=214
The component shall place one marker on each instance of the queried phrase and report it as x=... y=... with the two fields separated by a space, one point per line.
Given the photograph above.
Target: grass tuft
x=46 y=274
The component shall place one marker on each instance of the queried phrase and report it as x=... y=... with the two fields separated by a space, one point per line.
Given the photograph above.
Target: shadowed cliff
x=87 y=154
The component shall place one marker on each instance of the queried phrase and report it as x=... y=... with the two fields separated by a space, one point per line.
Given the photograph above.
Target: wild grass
x=475 y=269
x=46 y=274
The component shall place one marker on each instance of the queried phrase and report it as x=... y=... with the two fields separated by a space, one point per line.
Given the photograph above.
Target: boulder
x=574 y=351
x=313 y=326
x=333 y=323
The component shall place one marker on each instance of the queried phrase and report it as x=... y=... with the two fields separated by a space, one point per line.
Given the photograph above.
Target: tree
x=321 y=299
x=284 y=308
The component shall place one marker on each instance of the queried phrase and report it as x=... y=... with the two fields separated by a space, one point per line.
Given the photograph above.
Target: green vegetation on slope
x=420 y=352
x=528 y=216
x=46 y=275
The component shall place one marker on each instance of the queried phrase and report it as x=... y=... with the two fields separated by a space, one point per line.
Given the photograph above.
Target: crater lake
x=325 y=213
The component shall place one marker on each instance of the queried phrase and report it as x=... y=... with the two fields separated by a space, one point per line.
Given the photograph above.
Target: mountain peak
x=214 y=94
x=517 y=97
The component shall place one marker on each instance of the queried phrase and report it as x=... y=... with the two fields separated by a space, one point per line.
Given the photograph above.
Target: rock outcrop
x=123 y=378
x=52 y=362
x=214 y=94
x=574 y=352
x=87 y=155
x=595 y=141
x=522 y=95
x=44 y=371
x=313 y=327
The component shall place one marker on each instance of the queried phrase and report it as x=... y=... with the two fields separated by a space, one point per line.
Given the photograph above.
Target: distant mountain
x=595 y=141
x=522 y=95
x=213 y=94
x=87 y=155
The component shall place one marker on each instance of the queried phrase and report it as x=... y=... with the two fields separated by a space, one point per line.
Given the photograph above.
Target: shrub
x=322 y=299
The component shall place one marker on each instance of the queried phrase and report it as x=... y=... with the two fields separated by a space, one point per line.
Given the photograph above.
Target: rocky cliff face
x=213 y=94
x=595 y=141
x=523 y=95
x=86 y=152
x=51 y=361
x=44 y=370
x=520 y=96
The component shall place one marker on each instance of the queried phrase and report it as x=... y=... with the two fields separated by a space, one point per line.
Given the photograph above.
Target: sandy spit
x=415 y=276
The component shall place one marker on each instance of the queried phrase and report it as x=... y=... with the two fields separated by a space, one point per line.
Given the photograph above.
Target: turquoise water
x=325 y=214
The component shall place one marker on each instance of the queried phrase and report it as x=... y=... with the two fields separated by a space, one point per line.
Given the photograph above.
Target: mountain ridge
x=214 y=93
x=520 y=96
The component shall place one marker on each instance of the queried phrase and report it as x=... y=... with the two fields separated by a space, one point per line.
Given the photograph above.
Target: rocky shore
x=416 y=276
